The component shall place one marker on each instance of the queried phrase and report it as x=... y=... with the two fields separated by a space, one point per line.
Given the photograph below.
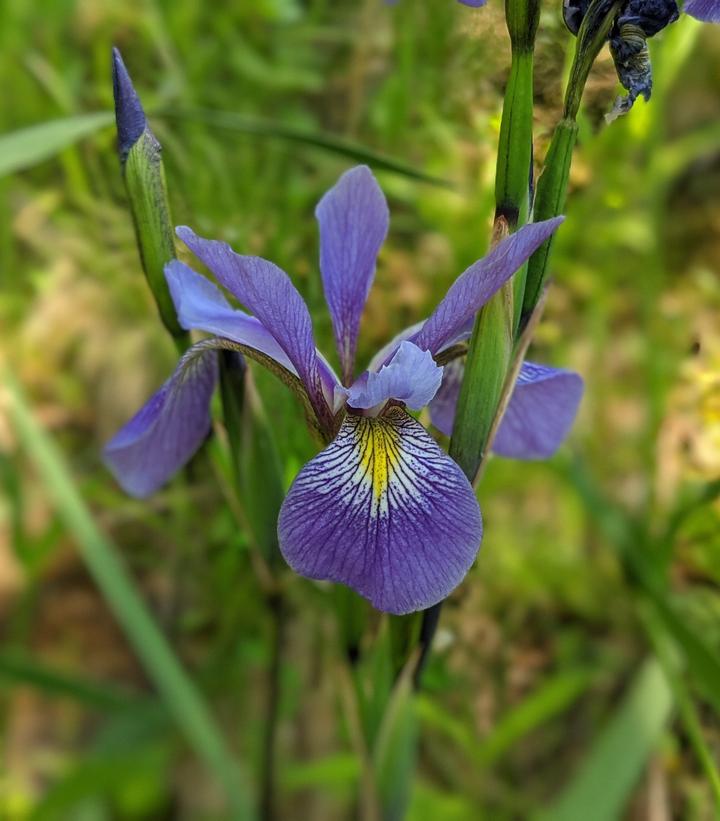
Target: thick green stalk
x=490 y=354
x=553 y=183
x=491 y=344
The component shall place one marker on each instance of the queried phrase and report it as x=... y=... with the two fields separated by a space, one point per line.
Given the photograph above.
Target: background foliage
x=576 y=670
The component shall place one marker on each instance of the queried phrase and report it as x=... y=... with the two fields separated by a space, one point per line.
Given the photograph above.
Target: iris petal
x=353 y=218
x=411 y=377
x=272 y=298
x=472 y=289
x=168 y=429
x=383 y=510
x=539 y=415
x=200 y=305
x=706 y=10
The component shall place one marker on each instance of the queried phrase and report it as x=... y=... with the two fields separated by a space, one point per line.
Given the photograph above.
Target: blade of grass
x=231 y=121
x=16 y=668
x=29 y=146
x=183 y=700
x=603 y=784
x=669 y=658
x=550 y=699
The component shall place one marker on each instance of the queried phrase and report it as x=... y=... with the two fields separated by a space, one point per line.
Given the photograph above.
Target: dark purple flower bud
x=129 y=113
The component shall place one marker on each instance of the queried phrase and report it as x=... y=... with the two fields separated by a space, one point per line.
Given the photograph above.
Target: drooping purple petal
x=706 y=10
x=411 y=377
x=539 y=415
x=270 y=295
x=472 y=289
x=383 y=510
x=353 y=218
x=168 y=429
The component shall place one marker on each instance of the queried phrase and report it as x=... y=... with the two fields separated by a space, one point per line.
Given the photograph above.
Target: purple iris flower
x=382 y=508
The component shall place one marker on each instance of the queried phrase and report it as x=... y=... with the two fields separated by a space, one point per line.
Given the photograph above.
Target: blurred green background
x=577 y=669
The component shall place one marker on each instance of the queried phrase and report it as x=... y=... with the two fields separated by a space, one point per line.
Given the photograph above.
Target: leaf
x=395 y=753
x=18 y=669
x=183 y=700
x=231 y=121
x=550 y=699
x=29 y=146
x=603 y=784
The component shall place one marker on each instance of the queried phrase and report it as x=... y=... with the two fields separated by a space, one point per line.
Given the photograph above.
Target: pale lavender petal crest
x=353 y=218
x=411 y=377
x=385 y=511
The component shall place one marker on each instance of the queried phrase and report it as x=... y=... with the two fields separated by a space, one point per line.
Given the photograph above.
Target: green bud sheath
x=486 y=368
x=549 y=202
x=144 y=176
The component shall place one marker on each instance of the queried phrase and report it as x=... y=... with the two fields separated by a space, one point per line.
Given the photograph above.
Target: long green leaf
x=603 y=784
x=231 y=121
x=29 y=146
x=183 y=700
x=18 y=669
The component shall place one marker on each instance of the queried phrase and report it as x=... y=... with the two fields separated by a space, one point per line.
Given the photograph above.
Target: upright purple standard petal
x=383 y=510
x=200 y=305
x=168 y=429
x=353 y=218
x=411 y=377
x=539 y=415
x=472 y=289
x=706 y=10
x=267 y=291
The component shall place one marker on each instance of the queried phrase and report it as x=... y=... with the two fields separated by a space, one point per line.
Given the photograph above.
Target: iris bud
x=144 y=176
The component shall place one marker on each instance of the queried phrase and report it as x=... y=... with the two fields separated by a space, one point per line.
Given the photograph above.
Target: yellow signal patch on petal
x=378 y=441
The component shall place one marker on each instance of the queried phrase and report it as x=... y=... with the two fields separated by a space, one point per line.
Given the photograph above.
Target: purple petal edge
x=538 y=418
x=472 y=289
x=168 y=429
x=708 y=11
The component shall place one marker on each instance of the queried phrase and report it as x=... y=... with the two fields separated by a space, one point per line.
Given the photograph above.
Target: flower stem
x=268 y=786
x=553 y=183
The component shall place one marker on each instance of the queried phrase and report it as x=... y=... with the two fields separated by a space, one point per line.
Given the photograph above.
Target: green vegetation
x=576 y=671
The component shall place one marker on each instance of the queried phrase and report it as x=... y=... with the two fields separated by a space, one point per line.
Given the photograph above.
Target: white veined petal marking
x=384 y=510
